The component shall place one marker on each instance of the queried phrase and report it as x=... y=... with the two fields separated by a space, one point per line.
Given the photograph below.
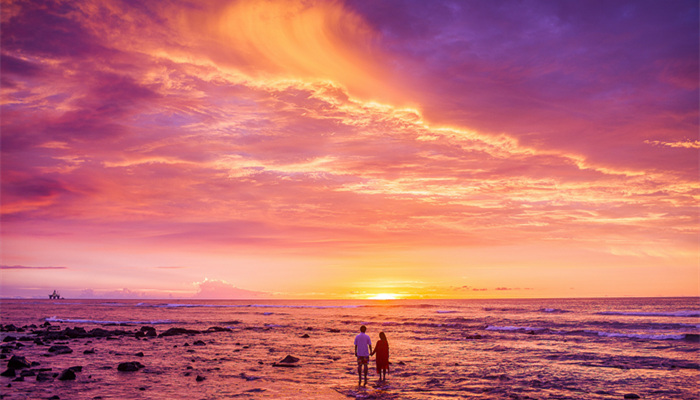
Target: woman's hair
x=383 y=337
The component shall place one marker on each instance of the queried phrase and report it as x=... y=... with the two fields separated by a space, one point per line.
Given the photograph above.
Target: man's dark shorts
x=362 y=360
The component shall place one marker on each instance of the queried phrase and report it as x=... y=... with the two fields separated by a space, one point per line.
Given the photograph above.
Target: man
x=363 y=348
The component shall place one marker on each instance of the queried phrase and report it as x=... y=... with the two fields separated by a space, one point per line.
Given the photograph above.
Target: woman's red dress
x=381 y=350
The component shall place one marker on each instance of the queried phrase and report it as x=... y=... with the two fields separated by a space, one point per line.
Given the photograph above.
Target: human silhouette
x=363 y=348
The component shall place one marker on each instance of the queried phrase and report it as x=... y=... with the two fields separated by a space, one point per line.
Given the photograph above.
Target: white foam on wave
x=512 y=328
x=445 y=311
x=649 y=336
x=99 y=322
x=682 y=313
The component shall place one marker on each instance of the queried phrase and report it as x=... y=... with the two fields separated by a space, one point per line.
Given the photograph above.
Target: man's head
x=363 y=329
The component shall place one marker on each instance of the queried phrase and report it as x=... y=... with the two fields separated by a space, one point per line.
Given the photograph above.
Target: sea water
x=439 y=349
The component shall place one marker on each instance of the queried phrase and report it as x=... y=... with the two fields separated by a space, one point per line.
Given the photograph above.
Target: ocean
x=644 y=348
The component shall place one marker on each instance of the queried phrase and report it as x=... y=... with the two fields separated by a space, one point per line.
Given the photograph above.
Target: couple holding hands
x=363 y=350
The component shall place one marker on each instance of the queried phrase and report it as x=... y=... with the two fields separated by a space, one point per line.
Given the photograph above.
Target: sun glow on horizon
x=385 y=296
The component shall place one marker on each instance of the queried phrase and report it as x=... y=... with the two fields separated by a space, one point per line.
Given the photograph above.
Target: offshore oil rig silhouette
x=55 y=295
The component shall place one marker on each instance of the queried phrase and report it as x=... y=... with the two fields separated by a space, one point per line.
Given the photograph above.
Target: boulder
x=288 y=361
x=179 y=331
x=18 y=362
x=44 y=377
x=67 y=375
x=60 y=349
x=130 y=366
x=9 y=373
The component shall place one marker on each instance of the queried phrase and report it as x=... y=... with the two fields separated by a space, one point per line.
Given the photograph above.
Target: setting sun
x=384 y=296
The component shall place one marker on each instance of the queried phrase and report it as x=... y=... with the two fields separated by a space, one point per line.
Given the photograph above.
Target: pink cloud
x=216 y=289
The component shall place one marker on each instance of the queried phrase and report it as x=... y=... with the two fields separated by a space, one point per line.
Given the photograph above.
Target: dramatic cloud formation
x=326 y=148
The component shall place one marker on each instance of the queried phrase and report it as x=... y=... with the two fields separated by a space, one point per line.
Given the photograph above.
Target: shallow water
x=495 y=349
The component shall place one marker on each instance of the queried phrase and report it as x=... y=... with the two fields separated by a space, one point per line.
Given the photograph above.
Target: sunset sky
x=347 y=149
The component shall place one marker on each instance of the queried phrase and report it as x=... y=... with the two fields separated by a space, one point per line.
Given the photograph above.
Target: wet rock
x=139 y=354
x=305 y=336
x=9 y=373
x=60 y=349
x=179 y=331
x=10 y=328
x=200 y=378
x=67 y=375
x=433 y=382
x=18 y=379
x=218 y=329
x=9 y=339
x=54 y=397
x=199 y=343
x=18 y=362
x=288 y=361
x=130 y=366
x=44 y=377
x=27 y=372
x=632 y=396
x=91 y=351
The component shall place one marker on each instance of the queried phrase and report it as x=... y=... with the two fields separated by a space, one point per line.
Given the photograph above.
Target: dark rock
x=179 y=331
x=200 y=378
x=130 y=366
x=18 y=379
x=139 y=354
x=54 y=397
x=433 y=382
x=288 y=361
x=199 y=343
x=10 y=373
x=77 y=368
x=9 y=339
x=27 y=372
x=217 y=329
x=60 y=349
x=67 y=375
x=334 y=330
x=10 y=328
x=142 y=388
x=44 y=377
x=18 y=362
x=305 y=336
x=632 y=396
x=91 y=351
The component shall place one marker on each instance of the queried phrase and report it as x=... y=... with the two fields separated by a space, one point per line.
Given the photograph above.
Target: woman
x=382 y=352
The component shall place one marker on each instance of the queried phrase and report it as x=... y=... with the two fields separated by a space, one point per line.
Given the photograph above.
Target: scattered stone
x=334 y=330
x=77 y=368
x=130 y=366
x=142 y=388
x=199 y=343
x=44 y=377
x=60 y=349
x=18 y=379
x=54 y=397
x=9 y=339
x=200 y=378
x=67 y=375
x=632 y=396
x=305 y=336
x=18 y=362
x=179 y=331
x=10 y=373
x=91 y=351
x=139 y=354
x=288 y=361
x=218 y=329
